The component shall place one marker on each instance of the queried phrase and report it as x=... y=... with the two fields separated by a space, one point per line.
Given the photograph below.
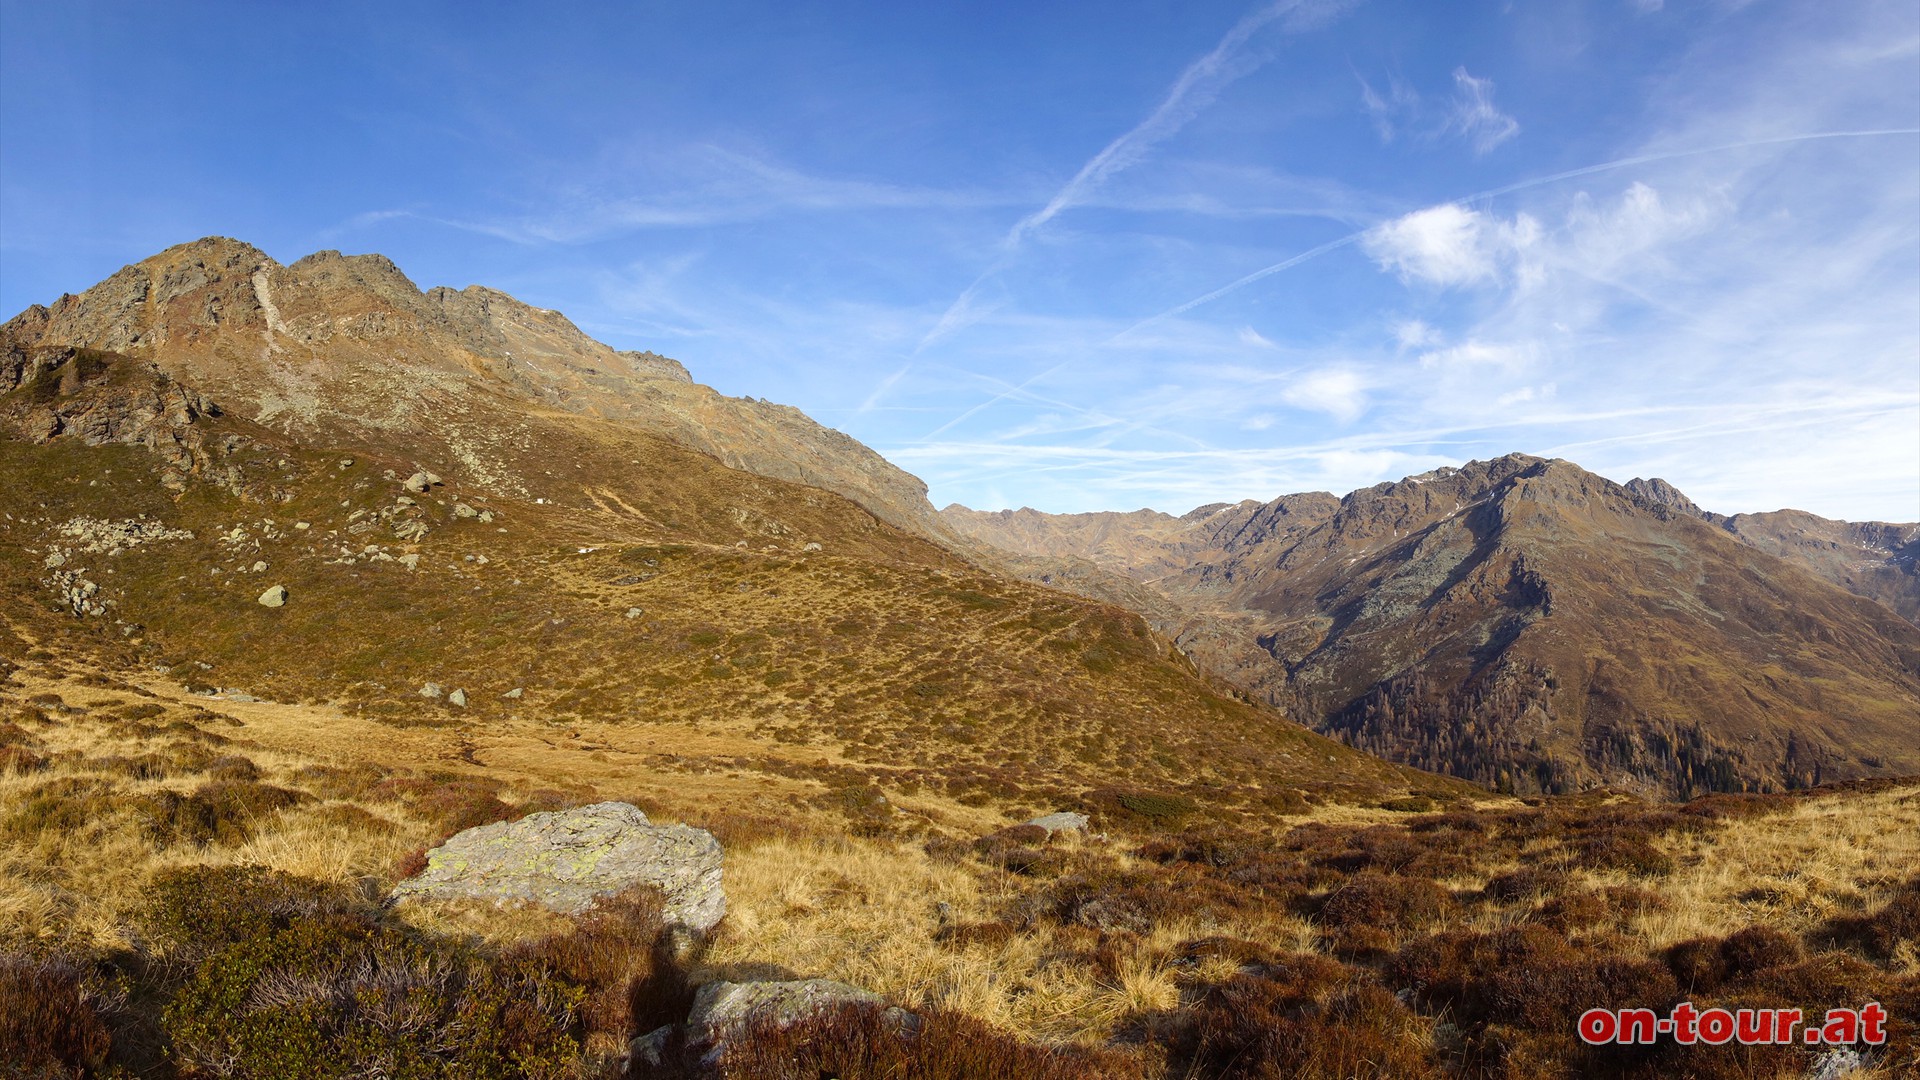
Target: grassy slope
x=879 y=654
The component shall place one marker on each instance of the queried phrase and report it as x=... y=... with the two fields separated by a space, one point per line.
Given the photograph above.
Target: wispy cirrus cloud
x=693 y=187
x=1469 y=114
x=1473 y=115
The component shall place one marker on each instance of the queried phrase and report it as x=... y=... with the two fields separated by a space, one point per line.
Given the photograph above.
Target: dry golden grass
x=79 y=885
x=1825 y=857
x=872 y=913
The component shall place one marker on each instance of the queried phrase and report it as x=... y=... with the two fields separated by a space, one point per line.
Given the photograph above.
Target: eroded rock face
x=564 y=861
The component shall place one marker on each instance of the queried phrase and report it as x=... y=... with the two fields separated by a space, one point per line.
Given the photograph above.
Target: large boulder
x=565 y=860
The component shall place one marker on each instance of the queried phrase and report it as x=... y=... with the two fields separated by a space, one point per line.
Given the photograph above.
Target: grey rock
x=721 y=1006
x=634 y=613
x=564 y=861
x=411 y=562
x=419 y=482
x=1834 y=1063
x=458 y=698
x=811 y=547
x=649 y=1050
x=722 y=1009
x=274 y=597
x=462 y=510
x=1061 y=821
x=260 y=567
x=431 y=690
x=513 y=694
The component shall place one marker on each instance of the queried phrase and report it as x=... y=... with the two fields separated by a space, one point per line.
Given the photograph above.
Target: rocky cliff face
x=100 y=398
x=1525 y=623
x=347 y=348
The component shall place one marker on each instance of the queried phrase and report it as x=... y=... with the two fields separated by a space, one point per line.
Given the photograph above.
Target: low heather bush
x=1301 y=1017
x=1878 y=933
x=865 y=1043
x=50 y=1018
x=270 y=975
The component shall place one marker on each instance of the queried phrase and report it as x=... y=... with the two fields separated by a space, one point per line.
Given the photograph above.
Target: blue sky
x=1082 y=256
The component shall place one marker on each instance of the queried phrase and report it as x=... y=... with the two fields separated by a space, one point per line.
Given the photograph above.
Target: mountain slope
x=1526 y=623
x=590 y=573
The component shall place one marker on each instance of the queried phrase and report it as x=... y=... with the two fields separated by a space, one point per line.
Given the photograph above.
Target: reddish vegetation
x=864 y=1044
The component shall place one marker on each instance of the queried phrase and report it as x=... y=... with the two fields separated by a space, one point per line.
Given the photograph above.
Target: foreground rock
x=722 y=1010
x=564 y=861
x=1061 y=821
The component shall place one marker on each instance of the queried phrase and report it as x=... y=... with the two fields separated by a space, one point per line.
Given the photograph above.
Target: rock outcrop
x=566 y=860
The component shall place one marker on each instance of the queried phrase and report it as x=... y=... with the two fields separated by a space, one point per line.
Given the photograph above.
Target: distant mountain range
x=597 y=529
x=1523 y=622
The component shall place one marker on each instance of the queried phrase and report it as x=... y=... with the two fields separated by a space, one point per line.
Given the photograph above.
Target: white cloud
x=1479 y=354
x=1474 y=116
x=1250 y=336
x=1450 y=245
x=1416 y=334
x=1631 y=233
x=1525 y=394
x=1340 y=392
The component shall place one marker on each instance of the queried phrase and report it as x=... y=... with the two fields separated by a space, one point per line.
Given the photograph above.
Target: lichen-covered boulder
x=565 y=860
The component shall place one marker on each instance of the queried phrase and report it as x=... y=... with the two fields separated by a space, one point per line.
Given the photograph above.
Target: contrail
x=1492 y=193
x=1197 y=85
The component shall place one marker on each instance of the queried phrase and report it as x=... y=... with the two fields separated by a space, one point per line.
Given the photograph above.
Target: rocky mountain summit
x=345 y=348
x=1525 y=623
